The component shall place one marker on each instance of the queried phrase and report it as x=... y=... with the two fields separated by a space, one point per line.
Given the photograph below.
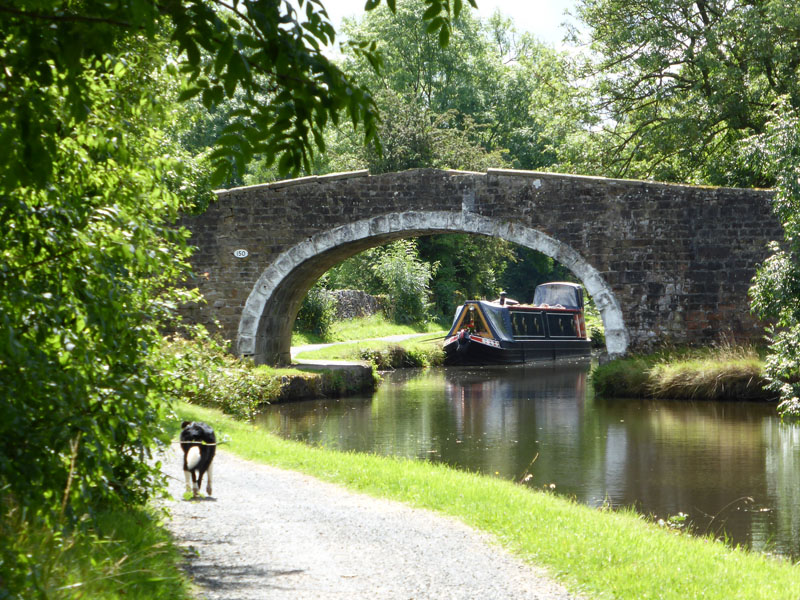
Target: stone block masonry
x=351 y=304
x=662 y=261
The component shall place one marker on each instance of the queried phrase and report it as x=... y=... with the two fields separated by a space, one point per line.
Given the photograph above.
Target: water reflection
x=731 y=466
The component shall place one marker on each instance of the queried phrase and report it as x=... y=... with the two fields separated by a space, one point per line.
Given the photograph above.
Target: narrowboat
x=504 y=331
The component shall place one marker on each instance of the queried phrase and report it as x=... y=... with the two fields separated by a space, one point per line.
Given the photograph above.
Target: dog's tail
x=193 y=457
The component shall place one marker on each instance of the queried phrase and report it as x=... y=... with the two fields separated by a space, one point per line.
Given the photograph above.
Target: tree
x=266 y=48
x=406 y=280
x=496 y=85
x=415 y=137
x=290 y=89
x=92 y=183
x=528 y=269
x=776 y=288
x=469 y=266
x=681 y=82
x=88 y=266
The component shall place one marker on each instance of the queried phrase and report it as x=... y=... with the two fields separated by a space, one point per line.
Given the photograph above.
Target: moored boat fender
x=463 y=341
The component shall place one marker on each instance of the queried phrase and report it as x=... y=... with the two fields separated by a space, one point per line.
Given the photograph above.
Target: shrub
x=317 y=313
x=406 y=280
x=207 y=375
x=400 y=357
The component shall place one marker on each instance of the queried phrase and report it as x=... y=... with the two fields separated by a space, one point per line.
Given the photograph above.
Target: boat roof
x=566 y=283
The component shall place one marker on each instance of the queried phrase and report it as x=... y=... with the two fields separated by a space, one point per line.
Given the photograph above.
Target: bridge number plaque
x=241 y=253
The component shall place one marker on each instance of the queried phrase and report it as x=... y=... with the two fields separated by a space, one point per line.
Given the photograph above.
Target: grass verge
x=126 y=554
x=719 y=373
x=603 y=554
x=423 y=351
x=363 y=328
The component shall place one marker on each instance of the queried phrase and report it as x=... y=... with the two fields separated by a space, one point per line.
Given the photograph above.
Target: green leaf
x=189 y=93
x=224 y=54
x=444 y=36
x=435 y=24
x=433 y=10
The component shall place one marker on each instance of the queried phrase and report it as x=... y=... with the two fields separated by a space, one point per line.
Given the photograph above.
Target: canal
x=733 y=469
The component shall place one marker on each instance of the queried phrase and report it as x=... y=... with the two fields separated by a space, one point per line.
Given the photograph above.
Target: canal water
x=733 y=469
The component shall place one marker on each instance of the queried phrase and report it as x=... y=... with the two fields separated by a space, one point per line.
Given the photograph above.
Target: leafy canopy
x=87 y=266
x=497 y=86
x=267 y=49
x=776 y=288
x=682 y=81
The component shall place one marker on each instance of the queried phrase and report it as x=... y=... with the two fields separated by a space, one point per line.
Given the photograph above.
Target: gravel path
x=274 y=534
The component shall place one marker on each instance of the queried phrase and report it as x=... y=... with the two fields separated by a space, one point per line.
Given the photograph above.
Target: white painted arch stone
x=617 y=337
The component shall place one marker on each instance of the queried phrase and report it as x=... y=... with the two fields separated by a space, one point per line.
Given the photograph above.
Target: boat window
x=471 y=318
x=527 y=324
x=498 y=318
x=456 y=319
x=562 y=325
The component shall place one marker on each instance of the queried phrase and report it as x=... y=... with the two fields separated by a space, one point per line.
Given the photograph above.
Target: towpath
x=273 y=534
x=391 y=338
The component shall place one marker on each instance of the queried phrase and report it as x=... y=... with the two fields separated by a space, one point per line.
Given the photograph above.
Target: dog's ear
x=185 y=424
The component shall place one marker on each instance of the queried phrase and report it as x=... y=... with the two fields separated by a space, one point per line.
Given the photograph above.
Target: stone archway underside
x=255 y=338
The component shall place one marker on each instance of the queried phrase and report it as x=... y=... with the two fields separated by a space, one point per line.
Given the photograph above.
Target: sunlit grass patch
x=730 y=379
x=363 y=328
x=422 y=351
x=124 y=554
x=724 y=372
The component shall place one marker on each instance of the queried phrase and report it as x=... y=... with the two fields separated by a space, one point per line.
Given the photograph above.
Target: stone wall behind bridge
x=678 y=259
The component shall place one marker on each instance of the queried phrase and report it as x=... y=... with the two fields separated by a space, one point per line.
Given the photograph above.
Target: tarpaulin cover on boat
x=568 y=295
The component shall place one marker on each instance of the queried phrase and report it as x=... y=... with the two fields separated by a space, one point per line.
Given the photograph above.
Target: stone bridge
x=663 y=262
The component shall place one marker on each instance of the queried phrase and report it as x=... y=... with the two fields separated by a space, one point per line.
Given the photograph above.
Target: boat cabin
x=553 y=326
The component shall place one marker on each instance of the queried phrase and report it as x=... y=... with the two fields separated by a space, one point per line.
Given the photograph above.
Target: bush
x=400 y=357
x=406 y=280
x=90 y=258
x=317 y=314
x=207 y=375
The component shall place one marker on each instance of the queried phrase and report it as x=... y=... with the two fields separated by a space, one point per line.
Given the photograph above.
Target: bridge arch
x=266 y=321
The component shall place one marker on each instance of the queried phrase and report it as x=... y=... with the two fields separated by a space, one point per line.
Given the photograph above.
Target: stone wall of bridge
x=663 y=261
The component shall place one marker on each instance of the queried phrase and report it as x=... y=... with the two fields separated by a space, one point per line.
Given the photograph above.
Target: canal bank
x=599 y=553
x=729 y=373
x=326 y=378
x=321 y=379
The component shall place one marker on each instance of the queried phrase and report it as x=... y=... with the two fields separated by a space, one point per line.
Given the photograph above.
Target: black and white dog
x=199 y=444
